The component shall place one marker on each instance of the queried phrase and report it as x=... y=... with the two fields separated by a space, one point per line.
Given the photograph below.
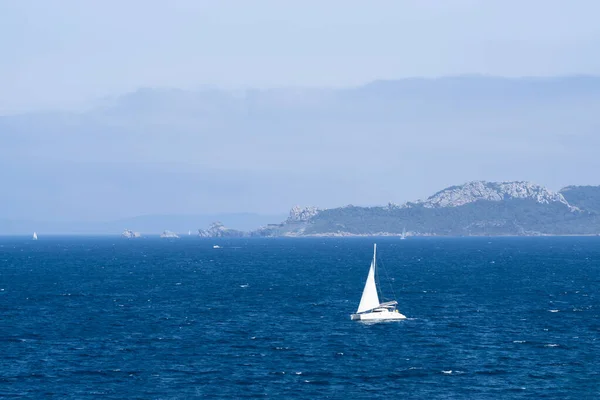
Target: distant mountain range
x=473 y=209
x=153 y=151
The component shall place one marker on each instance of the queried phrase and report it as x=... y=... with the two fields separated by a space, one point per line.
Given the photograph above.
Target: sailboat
x=370 y=309
x=34 y=236
x=403 y=236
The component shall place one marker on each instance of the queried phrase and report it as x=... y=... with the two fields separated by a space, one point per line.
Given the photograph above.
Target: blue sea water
x=488 y=318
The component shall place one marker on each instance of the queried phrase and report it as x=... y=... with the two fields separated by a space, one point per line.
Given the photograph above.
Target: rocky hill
x=584 y=197
x=217 y=229
x=475 y=208
x=471 y=192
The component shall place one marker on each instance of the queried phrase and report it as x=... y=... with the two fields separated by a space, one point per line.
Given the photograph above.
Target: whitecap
x=448 y=372
x=519 y=341
x=551 y=345
x=553 y=310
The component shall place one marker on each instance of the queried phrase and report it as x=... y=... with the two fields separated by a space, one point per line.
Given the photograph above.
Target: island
x=130 y=234
x=169 y=235
x=477 y=208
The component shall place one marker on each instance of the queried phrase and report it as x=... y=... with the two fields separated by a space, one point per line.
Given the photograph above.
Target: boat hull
x=378 y=316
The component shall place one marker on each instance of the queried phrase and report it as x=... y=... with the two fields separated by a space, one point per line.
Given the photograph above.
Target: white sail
x=369 y=299
x=34 y=236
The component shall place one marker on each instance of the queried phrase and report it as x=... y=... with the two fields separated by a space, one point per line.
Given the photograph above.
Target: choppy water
x=176 y=319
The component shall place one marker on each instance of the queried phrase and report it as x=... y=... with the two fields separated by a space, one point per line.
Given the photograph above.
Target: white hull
x=378 y=316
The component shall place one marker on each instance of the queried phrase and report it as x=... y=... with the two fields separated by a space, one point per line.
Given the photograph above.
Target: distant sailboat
x=35 y=236
x=189 y=233
x=403 y=236
x=370 y=309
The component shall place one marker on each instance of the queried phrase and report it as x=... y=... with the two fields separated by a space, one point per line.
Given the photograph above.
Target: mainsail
x=369 y=299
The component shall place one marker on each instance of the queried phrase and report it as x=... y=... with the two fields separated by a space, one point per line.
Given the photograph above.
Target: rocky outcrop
x=217 y=229
x=130 y=234
x=456 y=196
x=169 y=235
x=583 y=197
x=301 y=214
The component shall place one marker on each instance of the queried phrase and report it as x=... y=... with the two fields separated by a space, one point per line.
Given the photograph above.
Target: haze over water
x=488 y=318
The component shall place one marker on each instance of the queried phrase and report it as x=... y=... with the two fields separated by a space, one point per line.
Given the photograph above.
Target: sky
x=64 y=53
x=74 y=55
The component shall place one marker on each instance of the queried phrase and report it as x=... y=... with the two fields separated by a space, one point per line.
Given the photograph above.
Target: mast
x=374 y=257
x=375 y=277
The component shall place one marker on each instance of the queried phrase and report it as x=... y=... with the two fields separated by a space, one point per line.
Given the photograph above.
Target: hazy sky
x=259 y=153
x=59 y=53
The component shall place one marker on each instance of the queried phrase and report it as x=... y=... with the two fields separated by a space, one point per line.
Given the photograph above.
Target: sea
x=150 y=318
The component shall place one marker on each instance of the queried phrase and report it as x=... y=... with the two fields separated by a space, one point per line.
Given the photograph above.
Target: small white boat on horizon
x=370 y=309
x=35 y=236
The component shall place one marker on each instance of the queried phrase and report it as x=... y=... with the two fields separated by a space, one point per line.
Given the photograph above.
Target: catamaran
x=370 y=309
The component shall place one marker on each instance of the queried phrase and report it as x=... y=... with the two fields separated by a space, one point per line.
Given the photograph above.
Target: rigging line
x=389 y=282
x=378 y=282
